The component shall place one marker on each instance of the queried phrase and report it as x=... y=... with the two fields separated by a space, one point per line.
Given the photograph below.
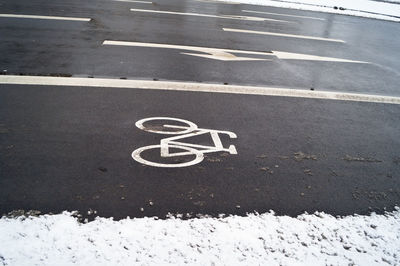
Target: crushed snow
x=362 y=8
x=266 y=239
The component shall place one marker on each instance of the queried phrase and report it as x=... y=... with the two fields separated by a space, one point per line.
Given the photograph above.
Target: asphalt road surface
x=313 y=125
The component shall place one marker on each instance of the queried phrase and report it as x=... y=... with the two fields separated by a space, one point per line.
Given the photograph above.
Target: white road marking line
x=209 y=16
x=196 y=87
x=218 y=2
x=279 y=14
x=43 y=17
x=283 y=35
x=227 y=54
x=134 y=1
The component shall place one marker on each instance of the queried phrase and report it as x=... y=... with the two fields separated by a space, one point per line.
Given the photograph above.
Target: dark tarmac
x=69 y=148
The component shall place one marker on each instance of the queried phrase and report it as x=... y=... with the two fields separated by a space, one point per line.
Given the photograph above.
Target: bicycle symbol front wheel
x=136 y=155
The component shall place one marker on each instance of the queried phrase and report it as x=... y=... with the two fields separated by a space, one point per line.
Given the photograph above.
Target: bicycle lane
x=70 y=148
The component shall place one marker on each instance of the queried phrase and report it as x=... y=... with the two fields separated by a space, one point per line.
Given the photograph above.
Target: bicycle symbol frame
x=183 y=132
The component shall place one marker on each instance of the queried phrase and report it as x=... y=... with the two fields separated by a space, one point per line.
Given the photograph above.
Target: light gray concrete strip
x=196 y=87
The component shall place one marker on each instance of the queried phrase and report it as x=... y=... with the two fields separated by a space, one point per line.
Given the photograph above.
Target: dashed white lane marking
x=196 y=87
x=43 y=17
x=280 y=14
x=134 y=1
x=227 y=54
x=209 y=16
x=283 y=35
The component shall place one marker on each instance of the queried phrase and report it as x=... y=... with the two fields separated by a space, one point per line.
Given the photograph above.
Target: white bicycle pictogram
x=182 y=132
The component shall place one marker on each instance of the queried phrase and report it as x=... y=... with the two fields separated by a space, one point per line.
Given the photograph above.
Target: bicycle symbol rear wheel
x=164 y=128
x=199 y=156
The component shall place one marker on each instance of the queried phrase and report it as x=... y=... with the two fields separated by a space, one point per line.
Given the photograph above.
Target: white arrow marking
x=43 y=17
x=283 y=35
x=209 y=16
x=211 y=53
x=279 y=14
x=227 y=54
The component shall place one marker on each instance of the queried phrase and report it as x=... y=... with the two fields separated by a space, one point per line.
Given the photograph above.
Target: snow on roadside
x=362 y=8
x=266 y=239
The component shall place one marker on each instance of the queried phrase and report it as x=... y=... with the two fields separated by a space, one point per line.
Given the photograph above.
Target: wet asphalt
x=69 y=148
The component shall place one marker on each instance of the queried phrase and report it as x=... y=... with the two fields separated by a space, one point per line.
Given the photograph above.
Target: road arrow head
x=307 y=57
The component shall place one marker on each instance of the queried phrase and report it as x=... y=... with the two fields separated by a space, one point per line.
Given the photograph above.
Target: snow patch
x=267 y=239
x=362 y=8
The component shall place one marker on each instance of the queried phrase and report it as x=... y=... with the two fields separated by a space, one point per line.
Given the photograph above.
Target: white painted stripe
x=284 y=35
x=209 y=16
x=279 y=14
x=227 y=54
x=43 y=17
x=218 y=2
x=134 y=1
x=196 y=87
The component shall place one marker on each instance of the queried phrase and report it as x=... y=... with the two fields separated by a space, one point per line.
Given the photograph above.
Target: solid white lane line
x=196 y=87
x=134 y=1
x=279 y=14
x=209 y=16
x=227 y=54
x=284 y=35
x=43 y=17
